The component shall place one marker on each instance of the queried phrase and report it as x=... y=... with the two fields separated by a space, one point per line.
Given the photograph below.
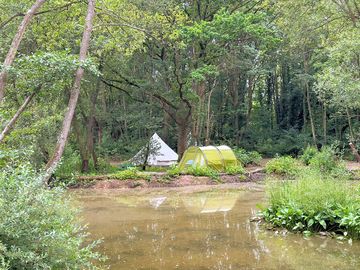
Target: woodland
x=84 y=84
x=96 y=82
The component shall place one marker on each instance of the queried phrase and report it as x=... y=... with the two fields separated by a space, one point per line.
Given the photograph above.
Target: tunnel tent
x=215 y=157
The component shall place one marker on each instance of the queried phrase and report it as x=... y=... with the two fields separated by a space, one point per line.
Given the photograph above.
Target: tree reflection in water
x=207 y=230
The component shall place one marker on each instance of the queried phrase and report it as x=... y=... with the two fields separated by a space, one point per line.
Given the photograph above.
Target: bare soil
x=254 y=174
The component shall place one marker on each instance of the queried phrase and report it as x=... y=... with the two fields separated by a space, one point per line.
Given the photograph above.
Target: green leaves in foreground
x=39 y=228
x=314 y=203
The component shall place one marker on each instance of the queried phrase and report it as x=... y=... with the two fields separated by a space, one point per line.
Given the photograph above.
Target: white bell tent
x=158 y=153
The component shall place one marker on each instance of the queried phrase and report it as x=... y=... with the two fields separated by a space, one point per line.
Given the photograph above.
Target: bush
x=174 y=171
x=234 y=170
x=202 y=171
x=70 y=165
x=283 y=165
x=325 y=160
x=246 y=157
x=309 y=153
x=130 y=173
x=313 y=203
x=39 y=228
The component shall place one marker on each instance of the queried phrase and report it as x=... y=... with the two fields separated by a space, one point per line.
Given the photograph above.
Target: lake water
x=202 y=230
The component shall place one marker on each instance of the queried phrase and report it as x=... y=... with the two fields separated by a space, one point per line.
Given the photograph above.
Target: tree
x=15 y=45
x=74 y=94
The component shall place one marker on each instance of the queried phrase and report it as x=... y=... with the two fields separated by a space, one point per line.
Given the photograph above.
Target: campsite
x=173 y=134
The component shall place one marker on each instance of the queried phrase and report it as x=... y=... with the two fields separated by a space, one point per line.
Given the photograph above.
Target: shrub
x=174 y=171
x=234 y=170
x=246 y=157
x=309 y=153
x=130 y=173
x=283 y=165
x=202 y=171
x=39 y=228
x=313 y=203
x=325 y=160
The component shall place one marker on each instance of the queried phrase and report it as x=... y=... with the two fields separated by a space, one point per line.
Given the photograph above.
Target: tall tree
x=74 y=94
x=15 y=45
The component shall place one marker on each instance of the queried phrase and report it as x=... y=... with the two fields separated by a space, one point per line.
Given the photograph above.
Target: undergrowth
x=247 y=157
x=314 y=202
x=130 y=173
x=283 y=166
x=235 y=170
x=202 y=171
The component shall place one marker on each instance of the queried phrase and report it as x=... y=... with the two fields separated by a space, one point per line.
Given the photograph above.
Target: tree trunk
x=74 y=95
x=183 y=131
x=351 y=133
x=310 y=114
x=308 y=101
x=354 y=151
x=12 y=122
x=234 y=93
x=208 y=116
x=15 y=45
x=325 y=124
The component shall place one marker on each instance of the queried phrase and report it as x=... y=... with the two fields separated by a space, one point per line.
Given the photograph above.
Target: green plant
x=130 y=173
x=325 y=161
x=246 y=157
x=202 y=171
x=234 y=170
x=174 y=171
x=314 y=203
x=309 y=153
x=283 y=165
x=39 y=228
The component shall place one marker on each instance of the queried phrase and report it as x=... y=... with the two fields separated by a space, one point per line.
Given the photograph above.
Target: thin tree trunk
x=307 y=92
x=350 y=125
x=310 y=114
x=74 y=95
x=354 y=151
x=91 y=123
x=325 y=124
x=12 y=122
x=15 y=45
x=208 y=116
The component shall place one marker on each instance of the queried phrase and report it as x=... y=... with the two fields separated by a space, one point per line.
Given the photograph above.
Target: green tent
x=215 y=157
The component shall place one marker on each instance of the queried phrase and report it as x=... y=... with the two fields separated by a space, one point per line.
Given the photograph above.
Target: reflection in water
x=208 y=230
x=157 y=201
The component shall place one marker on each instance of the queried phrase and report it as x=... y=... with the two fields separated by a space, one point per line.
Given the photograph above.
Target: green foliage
x=202 y=171
x=130 y=173
x=39 y=228
x=247 y=157
x=173 y=171
x=313 y=203
x=326 y=162
x=309 y=153
x=283 y=165
x=234 y=170
x=70 y=165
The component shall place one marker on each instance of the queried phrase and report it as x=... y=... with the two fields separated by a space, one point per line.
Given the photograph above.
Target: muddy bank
x=162 y=180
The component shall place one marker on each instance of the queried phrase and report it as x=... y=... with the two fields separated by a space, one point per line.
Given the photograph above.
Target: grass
x=314 y=202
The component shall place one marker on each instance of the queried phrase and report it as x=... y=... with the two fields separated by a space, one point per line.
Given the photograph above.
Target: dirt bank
x=160 y=180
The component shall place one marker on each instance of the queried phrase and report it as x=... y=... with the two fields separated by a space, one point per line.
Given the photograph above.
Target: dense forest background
x=267 y=75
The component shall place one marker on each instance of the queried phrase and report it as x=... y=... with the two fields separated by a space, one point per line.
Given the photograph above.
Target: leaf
x=323 y=223
x=310 y=222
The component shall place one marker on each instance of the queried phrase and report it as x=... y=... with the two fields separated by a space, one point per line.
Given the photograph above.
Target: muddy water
x=204 y=230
